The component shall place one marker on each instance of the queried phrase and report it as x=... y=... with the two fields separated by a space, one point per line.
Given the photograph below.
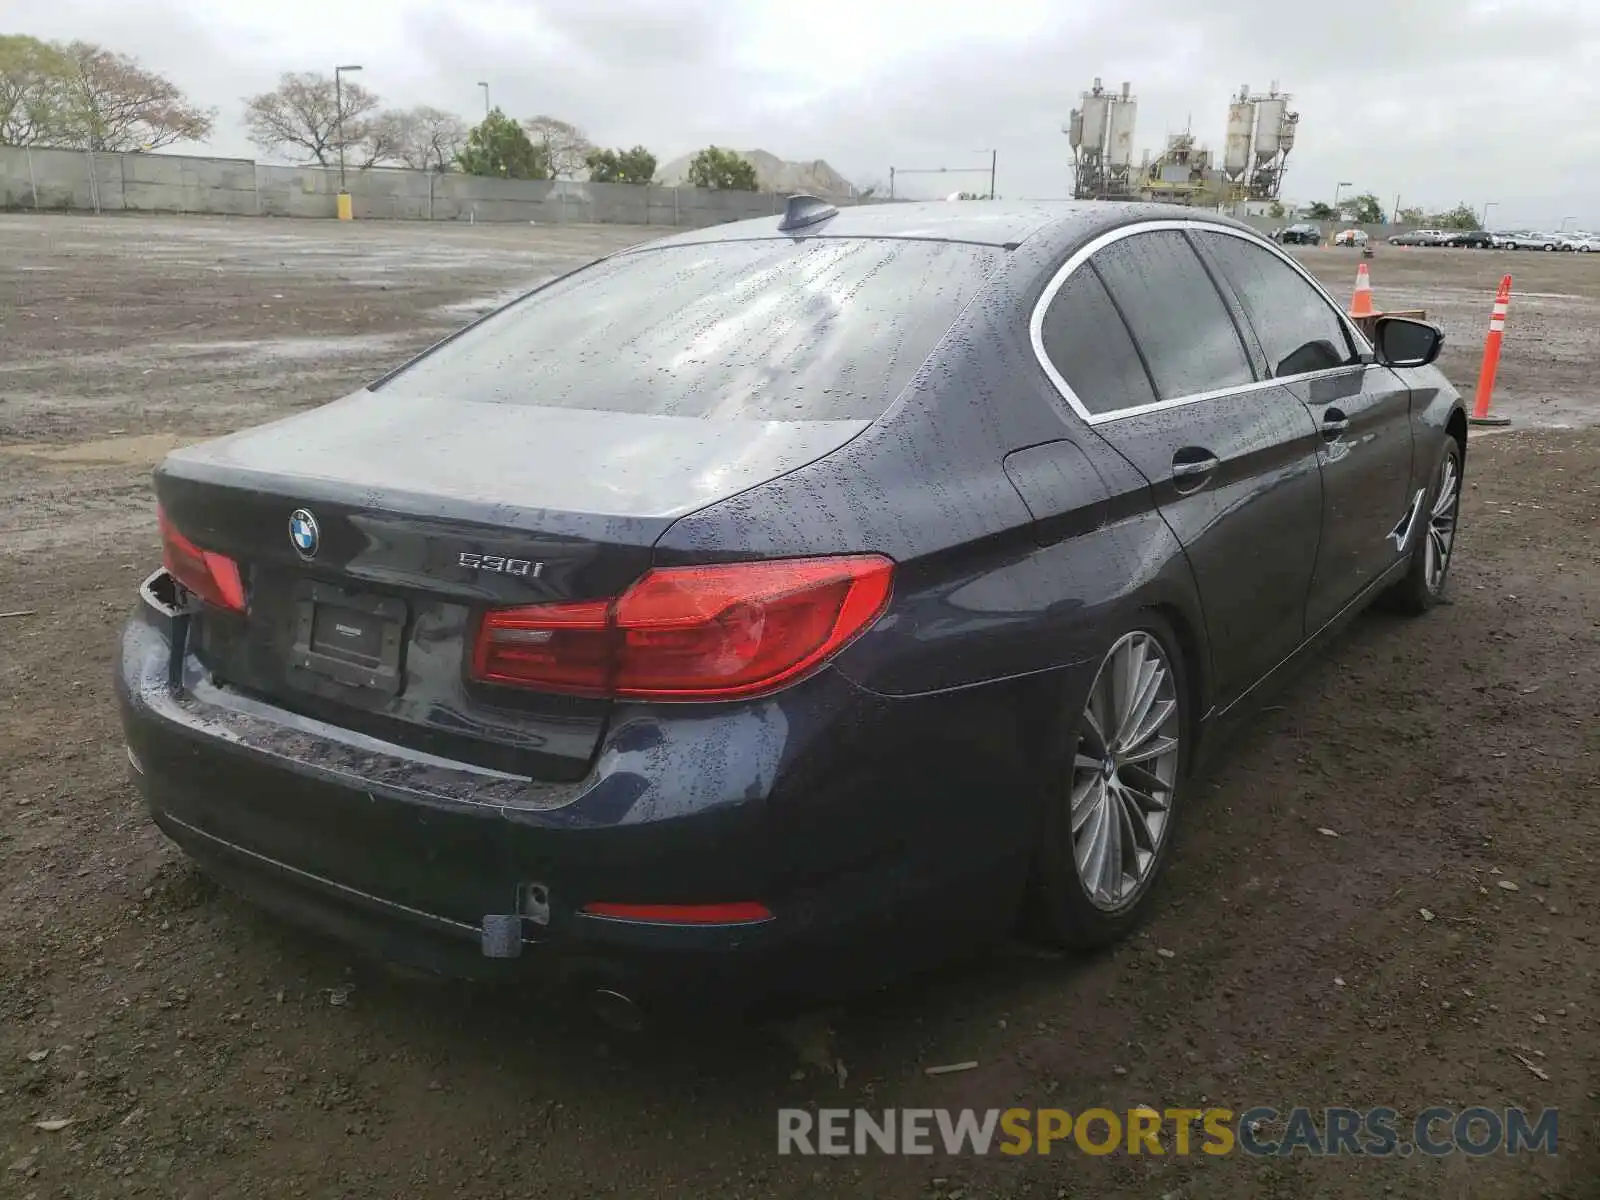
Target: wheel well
x=1456 y=427
x=1197 y=667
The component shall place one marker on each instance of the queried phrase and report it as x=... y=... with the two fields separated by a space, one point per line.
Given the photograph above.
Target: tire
x=1065 y=910
x=1548 y=247
x=1511 y=245
x=1423 y=585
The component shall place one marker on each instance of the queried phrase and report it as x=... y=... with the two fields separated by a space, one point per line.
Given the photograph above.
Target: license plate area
x=348 y=637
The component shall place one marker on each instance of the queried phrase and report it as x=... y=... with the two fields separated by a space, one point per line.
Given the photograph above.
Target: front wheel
x=1434 y=544
x=1107 y=826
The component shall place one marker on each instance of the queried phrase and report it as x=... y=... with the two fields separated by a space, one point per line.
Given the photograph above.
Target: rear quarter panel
x=982 y=593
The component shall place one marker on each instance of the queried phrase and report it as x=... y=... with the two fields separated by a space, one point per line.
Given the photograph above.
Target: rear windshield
x=821 y=329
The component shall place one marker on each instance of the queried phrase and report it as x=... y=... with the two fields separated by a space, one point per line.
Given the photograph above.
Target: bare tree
x=426 y=139
x=565 y=145
x=302 y=114
x=378 y=140
x=109 y=102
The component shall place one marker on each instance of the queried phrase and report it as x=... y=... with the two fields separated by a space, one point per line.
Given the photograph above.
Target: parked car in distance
x=1420 y=237
x=1527 y=240
x=1480 y=239
x=1582 y=243
x=1300 y=235
x=785 y=605
x=1351 y=237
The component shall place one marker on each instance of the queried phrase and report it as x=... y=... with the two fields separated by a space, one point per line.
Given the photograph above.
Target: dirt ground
x=202 y=1050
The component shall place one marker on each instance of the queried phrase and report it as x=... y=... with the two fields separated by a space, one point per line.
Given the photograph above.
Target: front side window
x=1178 y=319
x=1298 y=328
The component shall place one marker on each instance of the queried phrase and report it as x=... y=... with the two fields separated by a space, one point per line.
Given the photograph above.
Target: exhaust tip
x=616 y=1010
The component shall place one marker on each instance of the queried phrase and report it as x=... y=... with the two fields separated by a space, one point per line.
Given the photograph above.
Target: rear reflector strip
x=744 y=912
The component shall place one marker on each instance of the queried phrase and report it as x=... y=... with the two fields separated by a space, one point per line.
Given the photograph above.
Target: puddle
x=462 y=310
x=135 y=450
x=276 y=350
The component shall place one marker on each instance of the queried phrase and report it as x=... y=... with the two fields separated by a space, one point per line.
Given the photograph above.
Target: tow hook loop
x=502 y=935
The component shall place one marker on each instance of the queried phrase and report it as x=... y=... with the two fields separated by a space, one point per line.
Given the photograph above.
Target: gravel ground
x=200 y=1049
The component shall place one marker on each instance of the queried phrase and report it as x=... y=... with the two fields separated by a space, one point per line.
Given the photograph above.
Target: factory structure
x=1260 y=134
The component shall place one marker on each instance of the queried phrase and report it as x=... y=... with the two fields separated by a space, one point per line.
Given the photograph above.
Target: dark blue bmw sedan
x=774 y=608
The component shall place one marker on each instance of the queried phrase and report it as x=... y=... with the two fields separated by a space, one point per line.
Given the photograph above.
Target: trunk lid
x=413 y=514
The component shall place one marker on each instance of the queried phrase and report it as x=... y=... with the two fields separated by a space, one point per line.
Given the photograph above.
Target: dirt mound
x=773 y=174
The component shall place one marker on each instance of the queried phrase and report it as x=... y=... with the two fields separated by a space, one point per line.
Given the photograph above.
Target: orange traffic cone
x=1361 y=304
x=1491 y=359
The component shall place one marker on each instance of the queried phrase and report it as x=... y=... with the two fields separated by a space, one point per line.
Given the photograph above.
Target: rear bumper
x=881 y=833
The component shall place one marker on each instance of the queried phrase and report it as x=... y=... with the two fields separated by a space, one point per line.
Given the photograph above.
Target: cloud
x=1476 y=100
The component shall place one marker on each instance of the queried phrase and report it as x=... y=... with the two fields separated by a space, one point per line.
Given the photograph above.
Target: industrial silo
x=1095 y=112
x=1241 y=127
x=1119 y=133
x=1269 y=127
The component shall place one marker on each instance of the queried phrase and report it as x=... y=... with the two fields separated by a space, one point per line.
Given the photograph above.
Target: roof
x=986 y=222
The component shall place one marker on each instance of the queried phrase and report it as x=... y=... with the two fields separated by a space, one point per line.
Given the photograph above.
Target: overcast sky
x=1475 y=100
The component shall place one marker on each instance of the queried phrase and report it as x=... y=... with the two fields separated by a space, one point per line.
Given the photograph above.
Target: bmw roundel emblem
x=303 y=533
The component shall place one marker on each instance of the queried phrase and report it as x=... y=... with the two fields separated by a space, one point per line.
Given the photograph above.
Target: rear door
x=1150 y=353
x=1362 y=410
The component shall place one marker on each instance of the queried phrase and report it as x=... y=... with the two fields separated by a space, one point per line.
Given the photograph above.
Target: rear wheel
x=1434 y=544
x=1108 y=821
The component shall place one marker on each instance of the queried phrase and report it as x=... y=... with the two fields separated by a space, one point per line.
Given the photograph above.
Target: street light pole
x=1337 y=189
x=485 y=88
x=1564 y=221
x=1488 y=204
x=338 y=113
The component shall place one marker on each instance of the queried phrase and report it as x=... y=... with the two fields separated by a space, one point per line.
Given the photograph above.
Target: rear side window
x=1298 y=329
x=1089 y=346
x=777 y=330
x=1177 y=316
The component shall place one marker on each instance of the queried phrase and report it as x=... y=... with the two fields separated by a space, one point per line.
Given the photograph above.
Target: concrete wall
x=71 y=179
x=74 y=180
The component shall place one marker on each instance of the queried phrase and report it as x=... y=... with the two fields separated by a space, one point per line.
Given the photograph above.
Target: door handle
x=1334 y=423
x=1192 y=463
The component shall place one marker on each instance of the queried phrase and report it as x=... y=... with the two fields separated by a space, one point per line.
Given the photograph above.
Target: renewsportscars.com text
x=1259 y=1131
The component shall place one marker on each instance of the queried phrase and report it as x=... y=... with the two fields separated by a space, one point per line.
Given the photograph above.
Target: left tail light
x=718 y=632
x=213 y=577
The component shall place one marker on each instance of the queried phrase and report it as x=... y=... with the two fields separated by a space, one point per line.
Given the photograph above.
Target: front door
x=1362 y=412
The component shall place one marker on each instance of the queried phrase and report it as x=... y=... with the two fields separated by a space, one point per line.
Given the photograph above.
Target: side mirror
x=1403 y=342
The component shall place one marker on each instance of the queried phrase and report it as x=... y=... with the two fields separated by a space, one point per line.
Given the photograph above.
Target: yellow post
x=345 y=211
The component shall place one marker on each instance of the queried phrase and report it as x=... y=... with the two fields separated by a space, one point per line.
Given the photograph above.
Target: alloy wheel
x=1124 y=771
x=1442 y=524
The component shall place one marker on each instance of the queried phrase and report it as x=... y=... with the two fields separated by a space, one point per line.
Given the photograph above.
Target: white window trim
x=1082 y=256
